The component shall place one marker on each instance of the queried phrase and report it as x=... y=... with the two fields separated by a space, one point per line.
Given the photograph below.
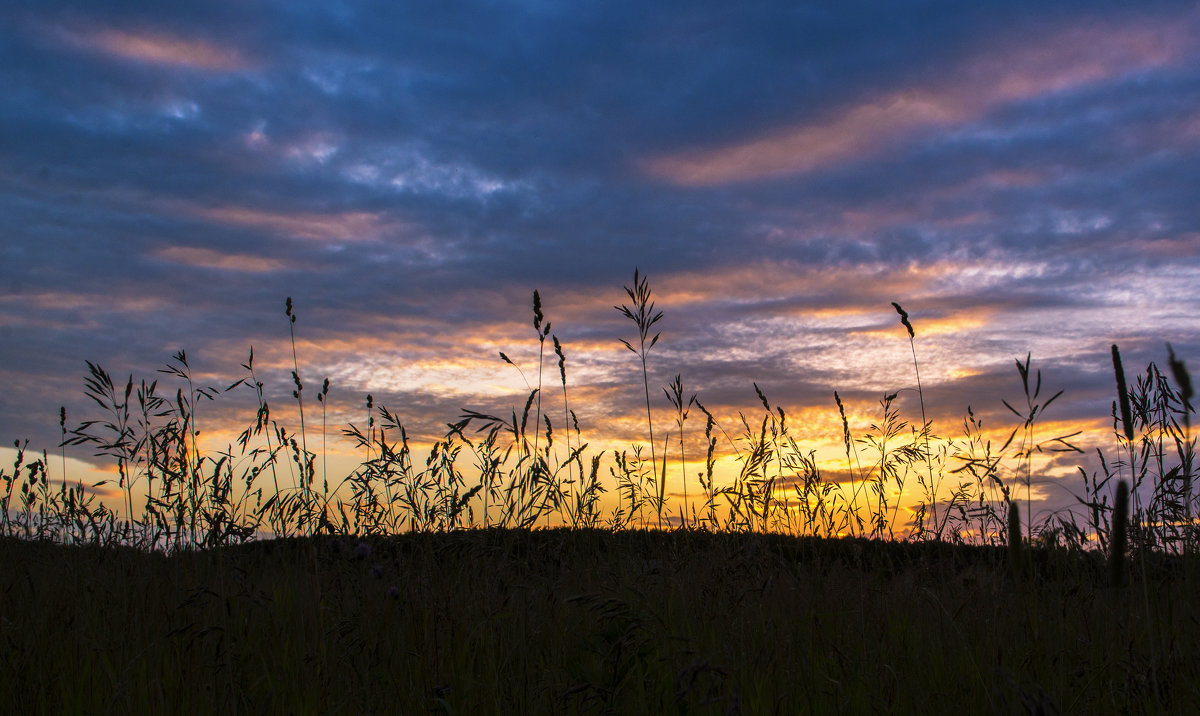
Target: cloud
x=207 y=258
x=332 y=226
x=1007 y=70
x=157 y=47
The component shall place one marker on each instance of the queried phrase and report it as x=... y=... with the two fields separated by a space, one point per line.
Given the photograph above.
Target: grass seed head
x=1122 y=394
x=1182 y=378
x=904 y=319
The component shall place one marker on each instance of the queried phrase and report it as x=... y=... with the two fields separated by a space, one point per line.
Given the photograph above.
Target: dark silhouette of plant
x=641 y=312
x=932 y=485
x=1120 y=529
x=674 y=393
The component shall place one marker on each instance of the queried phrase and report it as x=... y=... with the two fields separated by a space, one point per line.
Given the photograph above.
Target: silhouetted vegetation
x=238 y=580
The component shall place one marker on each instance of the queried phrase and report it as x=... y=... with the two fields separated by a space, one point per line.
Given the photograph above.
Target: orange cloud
x=764 y=281
x=159 y=48
x=207 y=258
x=1007 y=71
x=66 y=301
x=338 y=226
x=852 y=132
x=961 y=321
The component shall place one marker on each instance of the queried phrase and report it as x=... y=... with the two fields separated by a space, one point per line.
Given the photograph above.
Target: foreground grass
x=244 y=580
x=589 y=621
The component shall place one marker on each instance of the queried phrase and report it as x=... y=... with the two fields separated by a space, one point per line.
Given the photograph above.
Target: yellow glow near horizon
x=338 y=458
x=404 y=358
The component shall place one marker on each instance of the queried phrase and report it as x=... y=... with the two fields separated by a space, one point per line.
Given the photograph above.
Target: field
x=590 y=621
x=241 y=580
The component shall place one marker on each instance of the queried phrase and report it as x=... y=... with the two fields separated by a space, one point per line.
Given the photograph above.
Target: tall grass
x=674 y=392
x=928 y=482
x=521 y=469
x=641 y=311
x=465 y=608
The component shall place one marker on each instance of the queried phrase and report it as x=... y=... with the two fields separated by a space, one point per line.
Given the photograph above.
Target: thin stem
x=641 y=312
x=299 y=395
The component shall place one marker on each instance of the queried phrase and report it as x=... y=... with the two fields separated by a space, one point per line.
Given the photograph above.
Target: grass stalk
x=641 y=311
x=1119 y=546
x=1015 y=558
x=674 y=393
x=1184 y=380
x=925 y=424
x=304 y=465
x=542 y=333
x=195 y=499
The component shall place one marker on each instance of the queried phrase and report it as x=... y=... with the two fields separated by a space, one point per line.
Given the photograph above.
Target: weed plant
x=232 y=580
x=523 y=471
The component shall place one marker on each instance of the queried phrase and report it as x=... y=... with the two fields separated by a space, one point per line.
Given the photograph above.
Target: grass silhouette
x=420 y=584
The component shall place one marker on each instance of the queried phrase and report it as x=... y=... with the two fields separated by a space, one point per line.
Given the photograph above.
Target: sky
x=1020 y=176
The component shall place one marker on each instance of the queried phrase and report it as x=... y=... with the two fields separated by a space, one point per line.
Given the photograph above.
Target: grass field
x=590 y=621
x=241 y=581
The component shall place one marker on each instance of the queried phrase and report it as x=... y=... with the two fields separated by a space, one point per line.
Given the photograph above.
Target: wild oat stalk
x=641 y=312
x=298 y=394
x=538 y=317
x=982 y=463
x=925 y=426
x=706 y=477
x=567 y=414
x=261 y=422
x=186 y=408
x=542 y=333
x=675 y=394
x=322 y=398
x=893 y=465
x=370 y=423
x=750 y=496
x=1027 y=446
x=859 y=481
x=62 y=426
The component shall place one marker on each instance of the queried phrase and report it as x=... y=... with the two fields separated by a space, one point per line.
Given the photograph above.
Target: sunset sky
x=1023 y=178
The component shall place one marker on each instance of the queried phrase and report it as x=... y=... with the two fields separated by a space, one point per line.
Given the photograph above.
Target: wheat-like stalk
x=641 y=311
